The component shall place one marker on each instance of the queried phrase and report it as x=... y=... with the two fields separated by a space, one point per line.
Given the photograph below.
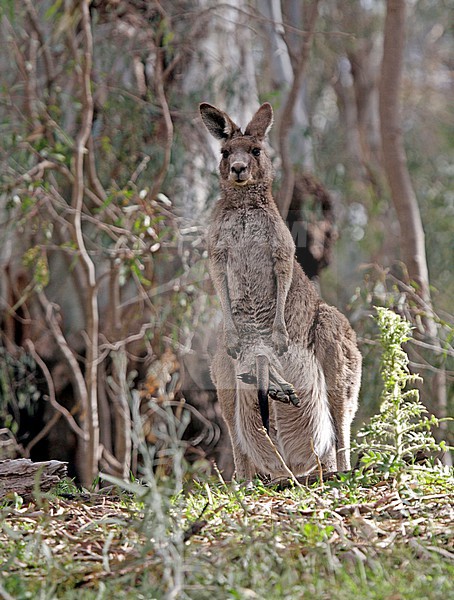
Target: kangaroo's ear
x=218 y=123
x=261 y=122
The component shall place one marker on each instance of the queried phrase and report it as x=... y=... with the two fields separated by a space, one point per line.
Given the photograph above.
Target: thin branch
x=160 y=92
x=262 y=19
x=447 y=350
x=278 y=455
x=107 y=347
x=76 y=373
x=28 y=345
x=43 y=433
x=48 y=60
x=92 y=173
x=37 y=171
x=26 y=68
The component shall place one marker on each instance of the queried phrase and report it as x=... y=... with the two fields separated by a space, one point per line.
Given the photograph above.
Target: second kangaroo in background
x=276 y=328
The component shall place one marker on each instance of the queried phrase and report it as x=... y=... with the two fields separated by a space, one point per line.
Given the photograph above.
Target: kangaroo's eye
x=225 y=154
x=256 y=151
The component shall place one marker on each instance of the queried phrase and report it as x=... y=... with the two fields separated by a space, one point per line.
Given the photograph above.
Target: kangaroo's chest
x=248 y=236
x=246 y=228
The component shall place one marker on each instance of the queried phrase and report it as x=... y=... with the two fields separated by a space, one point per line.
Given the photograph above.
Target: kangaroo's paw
x=232 y=342
x=282 y=391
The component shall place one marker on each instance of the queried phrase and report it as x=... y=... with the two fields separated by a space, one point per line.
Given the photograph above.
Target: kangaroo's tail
x=263 y=384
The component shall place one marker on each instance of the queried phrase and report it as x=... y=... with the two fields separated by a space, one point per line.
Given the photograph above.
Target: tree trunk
x=394 y=157
x=89 y=417
x=403 y=195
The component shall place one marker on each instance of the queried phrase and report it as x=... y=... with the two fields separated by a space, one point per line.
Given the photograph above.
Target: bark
x=121 y=413
x=356 y=86
x=365 y=65
x=167 y=123
x=349 y=118
x=221 y=72
x=394 y=157
x=403 y=195
x=25 y=477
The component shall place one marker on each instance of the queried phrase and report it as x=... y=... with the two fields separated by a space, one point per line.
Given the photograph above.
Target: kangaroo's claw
x=282 y=391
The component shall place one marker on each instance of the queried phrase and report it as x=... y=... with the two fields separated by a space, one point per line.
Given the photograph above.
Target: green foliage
x=390 y=443
x=35 y=258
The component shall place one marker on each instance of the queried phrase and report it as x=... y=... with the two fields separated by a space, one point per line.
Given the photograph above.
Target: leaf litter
x=89 y=538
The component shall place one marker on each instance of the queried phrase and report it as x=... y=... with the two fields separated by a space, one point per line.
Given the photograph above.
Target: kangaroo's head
x=244 y=158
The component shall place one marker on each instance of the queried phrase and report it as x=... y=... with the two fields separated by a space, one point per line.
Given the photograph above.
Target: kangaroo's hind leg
x=223 y=374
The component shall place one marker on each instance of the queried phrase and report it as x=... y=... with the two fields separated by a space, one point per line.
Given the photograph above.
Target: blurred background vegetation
x=108 y=177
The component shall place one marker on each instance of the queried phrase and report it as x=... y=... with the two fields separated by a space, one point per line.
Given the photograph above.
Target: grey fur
x=272 y=310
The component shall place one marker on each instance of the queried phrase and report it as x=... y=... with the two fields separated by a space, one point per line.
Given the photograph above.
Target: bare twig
x=160 y=92
x=107 y=347
x=92 y=173
x=48 y=59
x=75 y=370
x=28 y=345
x=27 y=69
x=43 y=433
x=281 y=460
x=37 y=171
x=254 y=16
x=319 y=464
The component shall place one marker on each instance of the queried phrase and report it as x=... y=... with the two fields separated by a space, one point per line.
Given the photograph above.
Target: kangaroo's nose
x=238 y=168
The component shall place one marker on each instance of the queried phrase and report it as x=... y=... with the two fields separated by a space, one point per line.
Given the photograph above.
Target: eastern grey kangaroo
x=274 y=322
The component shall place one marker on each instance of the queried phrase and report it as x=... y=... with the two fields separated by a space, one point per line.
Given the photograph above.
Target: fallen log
x=25 y=477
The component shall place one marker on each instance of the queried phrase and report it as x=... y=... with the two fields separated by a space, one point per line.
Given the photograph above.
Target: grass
x=340 y=541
